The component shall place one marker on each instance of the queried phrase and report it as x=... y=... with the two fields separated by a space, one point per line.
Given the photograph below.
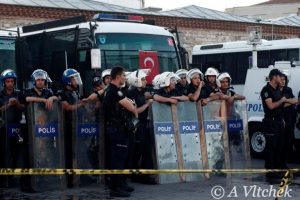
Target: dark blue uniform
x=273 y=123
x=45 y=94
x=204 y=93
x=142 y=147
x=182 y=90
x=11 y=142
x=72 y=98
x=116 y=131
x=290 y=115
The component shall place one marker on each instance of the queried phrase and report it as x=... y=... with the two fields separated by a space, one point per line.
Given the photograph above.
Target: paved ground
x=237 y=187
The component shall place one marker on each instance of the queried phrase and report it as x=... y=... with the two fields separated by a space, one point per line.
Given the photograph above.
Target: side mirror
x=96 y=58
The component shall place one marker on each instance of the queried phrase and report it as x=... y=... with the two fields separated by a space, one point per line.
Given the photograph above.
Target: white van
x=256 y=79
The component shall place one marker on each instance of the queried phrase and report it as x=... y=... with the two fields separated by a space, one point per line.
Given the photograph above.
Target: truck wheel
x=257 y=141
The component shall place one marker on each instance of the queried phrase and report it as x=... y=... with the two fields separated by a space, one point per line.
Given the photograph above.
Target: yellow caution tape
x=284 y=183
x=44 y=171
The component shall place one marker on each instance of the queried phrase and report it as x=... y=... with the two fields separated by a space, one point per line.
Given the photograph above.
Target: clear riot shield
x=46 y=144
x=190 y=138
x=86 y=142
x=164 y=137
x=238 y=138
x=215 y=136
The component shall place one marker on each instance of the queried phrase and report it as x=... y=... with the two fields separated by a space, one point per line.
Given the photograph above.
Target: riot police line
x=68 y=133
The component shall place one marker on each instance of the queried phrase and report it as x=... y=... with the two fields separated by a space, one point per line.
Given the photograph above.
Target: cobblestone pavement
x=236 y=187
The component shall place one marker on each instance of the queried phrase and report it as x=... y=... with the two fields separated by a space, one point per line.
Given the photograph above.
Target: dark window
x=7 y=54
x=293 y=55
x=263 y=60
x=278 y=55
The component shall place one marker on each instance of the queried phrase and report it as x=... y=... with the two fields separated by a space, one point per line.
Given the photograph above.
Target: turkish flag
x=149 y=60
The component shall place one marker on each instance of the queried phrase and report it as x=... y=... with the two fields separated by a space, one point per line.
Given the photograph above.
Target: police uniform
x=164 y=93
x=45 y=94
x=72 y=98
x=290 y=115
x=142 y=147
x=273 y=123
x=116 y=131
x=204 y=93
x=11 y=143
x=182 y=90
x=211 y=89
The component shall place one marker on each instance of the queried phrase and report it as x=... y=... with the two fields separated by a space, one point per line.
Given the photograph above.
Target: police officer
x=106 y=77
x=167 y=92
x=70 y=101
x=211 y=75
x=273 y=123
x=11 y=113
x=40 y=93
x=224 y=82
x=115 y=105
x=142 y=146
x=37 y=94
x=290 y=113
x=182 y=85
x=196 y=89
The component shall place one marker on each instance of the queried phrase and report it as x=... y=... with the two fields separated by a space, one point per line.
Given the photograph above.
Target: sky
x=220 y=5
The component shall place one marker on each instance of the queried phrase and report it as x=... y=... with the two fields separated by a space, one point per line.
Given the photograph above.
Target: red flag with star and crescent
x=149 y=60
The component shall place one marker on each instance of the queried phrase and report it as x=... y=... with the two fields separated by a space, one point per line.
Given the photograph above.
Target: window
x=278 y=55
x=7 y=54
x=263 y=59
x=123 y=49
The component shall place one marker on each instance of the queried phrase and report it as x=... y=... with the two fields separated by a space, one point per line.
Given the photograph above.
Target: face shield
x=39 y=75
x=77 y=78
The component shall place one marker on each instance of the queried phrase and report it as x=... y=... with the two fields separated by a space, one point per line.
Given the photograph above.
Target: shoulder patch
x=120 y=93
x=266 y=94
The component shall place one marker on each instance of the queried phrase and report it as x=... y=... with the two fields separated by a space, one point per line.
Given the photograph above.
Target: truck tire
x=257 y=140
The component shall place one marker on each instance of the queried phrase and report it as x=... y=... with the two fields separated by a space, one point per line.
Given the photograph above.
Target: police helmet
x=155 y=82
x=221 y=76
x=96 y=81
x=192 y=73
x=135 y=78
x=211 y=72
x=105 y=73
x=8 y=73
x=38 y=74
x=181 y=72
x=165 y=79
x=68 y=74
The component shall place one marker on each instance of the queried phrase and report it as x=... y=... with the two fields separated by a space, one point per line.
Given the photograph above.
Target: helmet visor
x=39 y=75
x=77 y=79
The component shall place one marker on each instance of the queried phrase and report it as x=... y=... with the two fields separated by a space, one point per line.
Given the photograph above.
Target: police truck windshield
x=7 y=54
x=127 y=49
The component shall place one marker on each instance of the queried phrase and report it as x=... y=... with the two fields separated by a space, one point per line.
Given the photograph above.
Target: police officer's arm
x=162 y=99
x=212 y=97
x=181 y=98
x=194 y=96
x=145 y=106
x=291 y=100
x=94 y=96
x=272 y=105
x=68 y=107
x=128 y=105
x=35 y=99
